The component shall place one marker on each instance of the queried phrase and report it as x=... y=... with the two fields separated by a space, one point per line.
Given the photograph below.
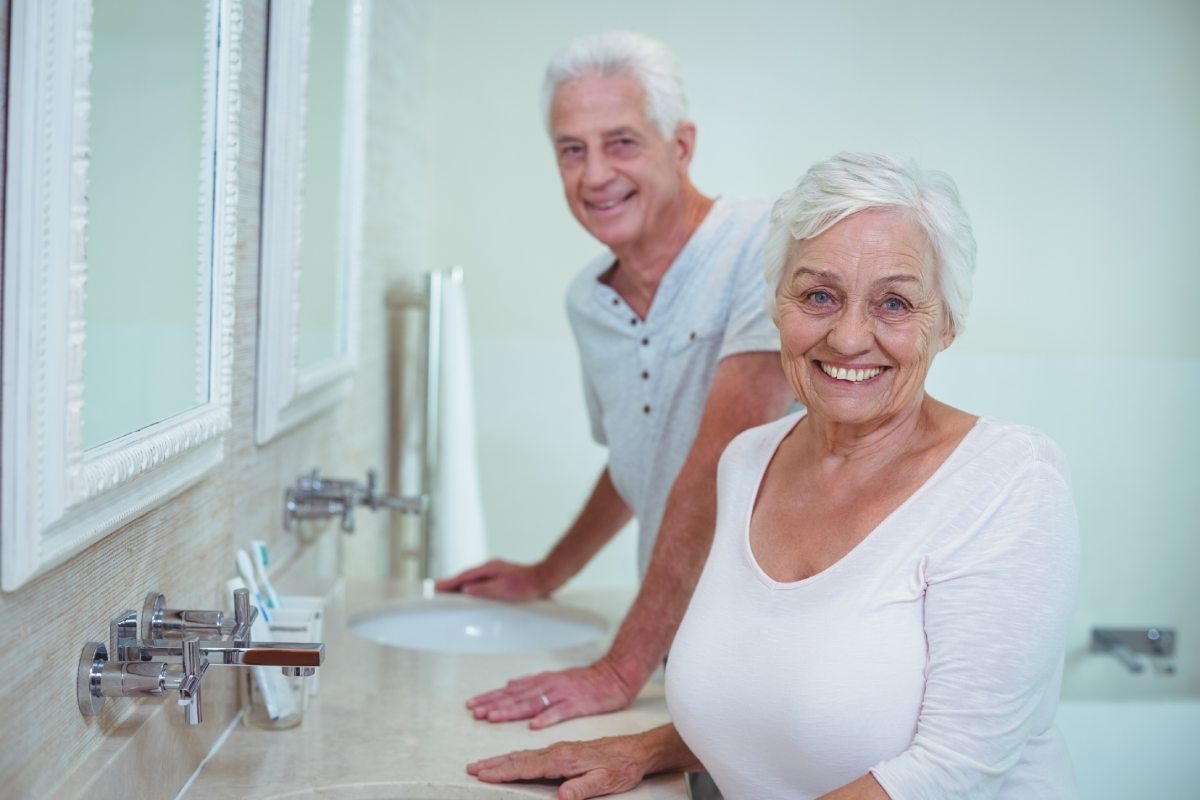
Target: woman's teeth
x=852 y=375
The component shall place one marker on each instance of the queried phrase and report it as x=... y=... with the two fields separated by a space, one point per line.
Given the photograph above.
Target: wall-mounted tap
x=1134 y=647
x=161 y=650
x=315 y=497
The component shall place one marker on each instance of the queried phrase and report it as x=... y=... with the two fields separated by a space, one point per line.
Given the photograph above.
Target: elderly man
x=678 y=353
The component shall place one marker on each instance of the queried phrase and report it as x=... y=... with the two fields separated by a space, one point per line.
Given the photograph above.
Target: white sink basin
x=454 y=623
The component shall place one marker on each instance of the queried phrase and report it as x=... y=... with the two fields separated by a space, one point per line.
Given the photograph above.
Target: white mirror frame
x=288 y=395
x=55 y=498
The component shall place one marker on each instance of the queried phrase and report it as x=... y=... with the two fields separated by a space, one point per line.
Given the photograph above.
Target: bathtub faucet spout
x=1133 y=647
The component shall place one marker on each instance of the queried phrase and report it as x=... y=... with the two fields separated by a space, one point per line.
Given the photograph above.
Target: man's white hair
x=617 y=54
x=834 y=189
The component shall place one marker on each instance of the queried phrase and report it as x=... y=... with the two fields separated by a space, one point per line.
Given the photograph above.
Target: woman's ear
x=948 y=331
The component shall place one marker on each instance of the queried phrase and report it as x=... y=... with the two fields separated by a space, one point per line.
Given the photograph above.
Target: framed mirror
x=119 y=237
x=312 y=209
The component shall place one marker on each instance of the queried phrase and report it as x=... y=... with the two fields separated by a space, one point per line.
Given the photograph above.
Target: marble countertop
x=386 y=715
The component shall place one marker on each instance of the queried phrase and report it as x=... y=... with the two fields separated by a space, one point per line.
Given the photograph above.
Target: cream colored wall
x=185 y=549
x=1068 y=125
x=1071 y=129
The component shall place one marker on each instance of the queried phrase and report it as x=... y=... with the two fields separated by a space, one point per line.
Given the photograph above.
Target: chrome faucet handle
x=1162 y=649
x=157 y=623
x=244 y=615
x=194 y=667
x=314 y=497
x=99 y=678
x=314 y=484
x=306 y=502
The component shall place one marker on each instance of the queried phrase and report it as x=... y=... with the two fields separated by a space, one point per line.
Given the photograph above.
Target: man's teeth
x=852 y=375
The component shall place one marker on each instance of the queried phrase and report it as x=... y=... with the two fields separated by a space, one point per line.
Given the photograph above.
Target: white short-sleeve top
x=929 y=655
x=646 y=380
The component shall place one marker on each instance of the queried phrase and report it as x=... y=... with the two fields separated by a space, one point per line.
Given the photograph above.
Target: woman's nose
x=851 y=332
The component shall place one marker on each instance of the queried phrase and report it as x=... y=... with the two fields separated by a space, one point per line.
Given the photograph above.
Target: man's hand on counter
x=548 y=698
x=499 y=580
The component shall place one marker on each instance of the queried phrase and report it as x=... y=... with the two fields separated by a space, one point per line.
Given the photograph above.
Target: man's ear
x=685 y=142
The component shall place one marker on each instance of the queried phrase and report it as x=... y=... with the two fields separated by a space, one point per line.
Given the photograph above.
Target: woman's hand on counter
x=499 y=580
x=548 y=698
x=593 y=768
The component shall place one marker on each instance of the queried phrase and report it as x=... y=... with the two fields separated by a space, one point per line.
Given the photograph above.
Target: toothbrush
x=272 y=685
x=246 y=569
x=258 y=555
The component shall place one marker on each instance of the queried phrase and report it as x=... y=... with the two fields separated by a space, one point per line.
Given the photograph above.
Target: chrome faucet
x=315 y=497
x=1133 y=647
x=160 y=650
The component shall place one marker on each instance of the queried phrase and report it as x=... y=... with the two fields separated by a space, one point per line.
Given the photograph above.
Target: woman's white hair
x=834 y=189
x=617 y=54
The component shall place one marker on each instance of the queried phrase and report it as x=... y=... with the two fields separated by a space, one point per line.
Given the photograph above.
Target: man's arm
x=748 y=389
x=602 y=516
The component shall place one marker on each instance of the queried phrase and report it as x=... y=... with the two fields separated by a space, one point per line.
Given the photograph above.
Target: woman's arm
x=997 y=605
x=594 y=768
x=997 y=601
x=864 y=788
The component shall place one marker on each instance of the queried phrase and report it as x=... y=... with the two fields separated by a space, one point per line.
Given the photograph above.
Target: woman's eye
x=893 y=305
x=820 y=297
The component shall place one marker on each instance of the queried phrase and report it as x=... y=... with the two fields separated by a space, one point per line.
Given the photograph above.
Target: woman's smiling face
x=861 y=318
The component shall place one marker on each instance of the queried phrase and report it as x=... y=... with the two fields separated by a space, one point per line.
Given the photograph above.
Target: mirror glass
x=149 y=217
x=321 y=239
x=311 y=241
x=119 y=255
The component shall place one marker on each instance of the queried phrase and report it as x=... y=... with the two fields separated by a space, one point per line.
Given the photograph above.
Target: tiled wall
x=185 y=549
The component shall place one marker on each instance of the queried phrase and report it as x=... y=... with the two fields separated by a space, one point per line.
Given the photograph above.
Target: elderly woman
x=883 y=611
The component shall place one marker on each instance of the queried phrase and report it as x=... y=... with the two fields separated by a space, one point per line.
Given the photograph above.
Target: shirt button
x=645 y=375
x=692 y=336
x=645 y=340
x=616 y=301
x=645 y=409
x=633 y=320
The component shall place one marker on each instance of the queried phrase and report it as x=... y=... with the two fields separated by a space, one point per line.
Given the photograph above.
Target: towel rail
x=414 y=385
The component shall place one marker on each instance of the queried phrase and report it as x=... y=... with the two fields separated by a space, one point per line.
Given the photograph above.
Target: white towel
x=459 y=539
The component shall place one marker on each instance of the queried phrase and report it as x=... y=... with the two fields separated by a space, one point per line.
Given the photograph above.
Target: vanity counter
x=386 y=715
